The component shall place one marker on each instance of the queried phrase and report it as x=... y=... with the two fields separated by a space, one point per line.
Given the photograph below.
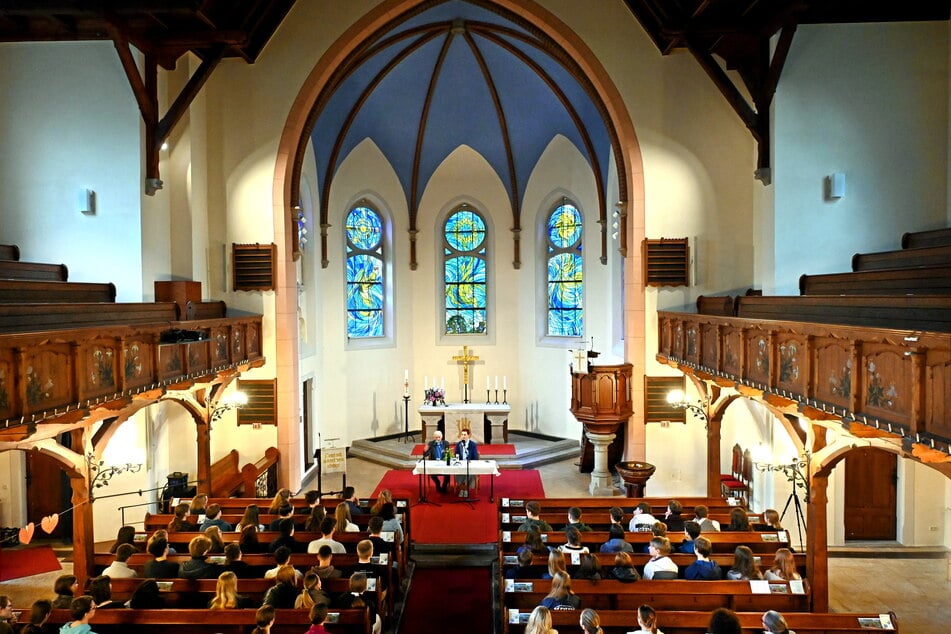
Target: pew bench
x=685 y=622
x=905 y=313
x=657 y=504
x=679 y=594
x=34 y=317
x=44 y=291
x=155 y=521
x=601 y=519
x=35 y=271
x=9 y=252
x=931 y=238
x=195 y=621
x=902 y=258
x=909 y=281
x=762 y=543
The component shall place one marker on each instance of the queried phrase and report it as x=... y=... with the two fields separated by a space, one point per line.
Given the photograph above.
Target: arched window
x=464 y=270
x=565 y=272
x=366 y=298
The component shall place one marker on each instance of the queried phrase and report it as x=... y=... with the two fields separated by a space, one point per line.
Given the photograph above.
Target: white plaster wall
x=871 y=101
x=69 y=123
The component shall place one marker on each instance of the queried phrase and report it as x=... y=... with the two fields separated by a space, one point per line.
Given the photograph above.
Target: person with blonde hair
x=784 y=567
x=560 y=596
x=281 y=498
x=646 y=620
x=590 y=622
x=344 y=523
x=213 y=533
x=226 y=594
x=539 y=622
x=385 y=497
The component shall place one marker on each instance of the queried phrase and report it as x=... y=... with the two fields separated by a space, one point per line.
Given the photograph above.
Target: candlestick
x=505 y=383
x=496 y=382
x=496 y=396
x=505 y=397
x=488 y=399
x=486 y=383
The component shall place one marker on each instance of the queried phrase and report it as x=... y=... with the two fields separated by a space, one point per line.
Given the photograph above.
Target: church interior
x=279 y=238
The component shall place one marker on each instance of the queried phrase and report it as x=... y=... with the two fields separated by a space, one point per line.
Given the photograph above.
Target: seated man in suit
x=466 y=449
x=436 y=449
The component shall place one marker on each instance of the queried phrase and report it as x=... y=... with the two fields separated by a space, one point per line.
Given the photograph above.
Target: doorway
x=48 y=491
x=871 y=477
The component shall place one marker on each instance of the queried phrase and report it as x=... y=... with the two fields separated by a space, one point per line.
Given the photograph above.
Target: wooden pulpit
x=601 y=401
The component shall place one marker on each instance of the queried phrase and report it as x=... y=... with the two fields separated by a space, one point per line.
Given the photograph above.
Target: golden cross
x=465 y=359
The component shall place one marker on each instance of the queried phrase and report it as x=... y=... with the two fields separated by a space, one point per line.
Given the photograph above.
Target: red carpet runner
x=456 y=600
x=23 y=562
x=456 y=522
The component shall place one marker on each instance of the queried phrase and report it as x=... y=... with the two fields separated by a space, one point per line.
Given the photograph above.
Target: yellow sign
x=333 y=460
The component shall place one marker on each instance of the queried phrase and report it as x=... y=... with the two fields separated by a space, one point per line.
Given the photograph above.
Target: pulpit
x=601 y=401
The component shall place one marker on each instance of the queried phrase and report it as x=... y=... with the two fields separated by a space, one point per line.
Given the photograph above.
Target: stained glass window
x=464 y=268
x=565 y=272
x=365 y=295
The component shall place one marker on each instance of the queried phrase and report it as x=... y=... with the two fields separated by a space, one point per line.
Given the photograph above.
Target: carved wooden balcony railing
x=892 y=381
x=60 y=374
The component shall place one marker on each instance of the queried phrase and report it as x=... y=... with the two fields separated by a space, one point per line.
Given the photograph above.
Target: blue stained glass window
x=365 y=295
x=565 y=272
x=464 y=269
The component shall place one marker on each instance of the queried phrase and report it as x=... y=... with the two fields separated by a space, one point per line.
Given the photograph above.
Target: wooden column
x=203 y=458
x=817 y=551
x=713 y=458
x=83 y=536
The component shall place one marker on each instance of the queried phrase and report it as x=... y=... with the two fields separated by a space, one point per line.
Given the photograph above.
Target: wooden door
x=48 y=492
x=870 y=494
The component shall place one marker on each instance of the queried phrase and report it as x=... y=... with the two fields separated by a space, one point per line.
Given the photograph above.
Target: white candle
x=496 y=381
x=505 y=383
x=487 y=384
x=406 y=375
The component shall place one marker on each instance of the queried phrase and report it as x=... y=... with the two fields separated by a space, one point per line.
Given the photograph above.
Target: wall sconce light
x=835 y=186
x=235 y=400
x=88 y=203
x=100 y=475
x=678 y=398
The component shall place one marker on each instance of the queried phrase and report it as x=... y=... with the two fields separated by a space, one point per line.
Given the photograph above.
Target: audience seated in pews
x=213 y=518
x=385 y=497
x=574 y=520
x=616 y=542
x=312 y=594
x=6 y=615
x=282 y=560
x=358 y=598
x=235 y=564
x=691 y=533
x=590 y=622
x=533 y=543
x=281 y=499
x=539 y=622
x=283 y=594
x=524 y=569
x=317 y=515
x=312 y=498
x=213 y=533
x=126 y=535
x=660 y=562
x=264 y=618
x=39 y=614
x=179 y=523
x=119 y=569
x=327 y=529
x=349 y=495
x=774 y=623
x=703 y=568
x=286 y=538
x=673 y=519
x=561 y=597
x=285 y=512
x=226 y=594
x=100 y=589
x=324 y=568
x=724 y=621
x=197 y=567
x=364 y=563
x=249 y=540
x=739 y=521
x=380 y=545
x=617 y=516
x=160 y=534
x=624 y=570
x=784 y=567
x=642 y=520
x=391 y=522
x=318 y=614
x=658 y=529
x=532 y=520
x=82 y=610
x=556 y=564
x=147 y=596
x=573 y=541
x=344 y=523
x=589 y=568
x=770 y=522
x=251 y=517
x=707 y=525
x=744 y=565
x=646 y=621
x=198 y=503
x=65 y=588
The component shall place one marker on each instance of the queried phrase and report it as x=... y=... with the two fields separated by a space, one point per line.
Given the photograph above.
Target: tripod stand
x=800 y=516
x=424 y=486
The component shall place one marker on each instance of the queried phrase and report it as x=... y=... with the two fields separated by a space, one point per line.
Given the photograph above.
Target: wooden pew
x=932 y=238
x=176 y=621
x=679 y=594
x=685 y=622
x=658 y=505
x=721 y=305
x=9 y=252
x=27 y=291
x=902 y=258
x=763 y=543
x=22 y=318
x=910 y=281
x=155 y=521
x=601 y=520
x=927 y=313
x=639 y=558
x=205 y=310
x=226 y=475
x=17 y=270
x=349 y=540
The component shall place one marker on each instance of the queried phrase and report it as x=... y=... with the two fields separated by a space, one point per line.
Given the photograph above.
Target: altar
x=488 y=423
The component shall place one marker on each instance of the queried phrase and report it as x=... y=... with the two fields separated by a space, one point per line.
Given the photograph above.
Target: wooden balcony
x=877 y=381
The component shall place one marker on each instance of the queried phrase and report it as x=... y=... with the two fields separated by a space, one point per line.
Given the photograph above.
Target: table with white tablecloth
x=426 y=468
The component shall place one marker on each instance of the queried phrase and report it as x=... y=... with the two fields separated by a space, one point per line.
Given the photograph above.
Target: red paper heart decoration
x=26 y=533
x=49 y=523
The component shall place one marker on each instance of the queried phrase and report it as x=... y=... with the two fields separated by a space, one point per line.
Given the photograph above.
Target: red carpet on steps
x=455 y=522
x=485 y=451
x=23 y=562
x=456 y=600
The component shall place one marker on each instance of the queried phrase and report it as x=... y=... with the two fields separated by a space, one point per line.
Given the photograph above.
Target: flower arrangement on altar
x=435 y=396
